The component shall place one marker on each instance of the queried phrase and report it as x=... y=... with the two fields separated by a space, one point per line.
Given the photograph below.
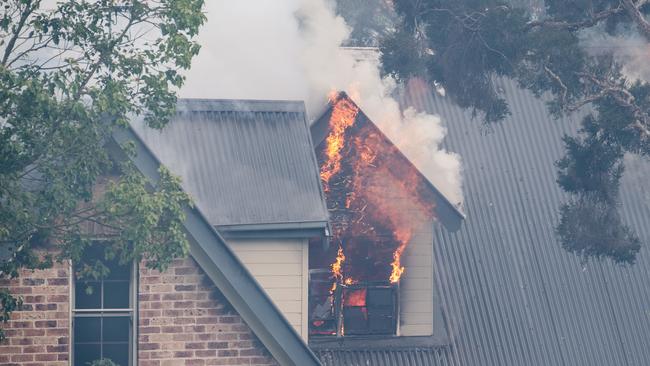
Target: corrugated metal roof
x=417 y=356
x=511 y=295
x=244 y=162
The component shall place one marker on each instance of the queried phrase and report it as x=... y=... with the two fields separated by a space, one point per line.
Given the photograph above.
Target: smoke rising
x=291 y=49
x=629 y=48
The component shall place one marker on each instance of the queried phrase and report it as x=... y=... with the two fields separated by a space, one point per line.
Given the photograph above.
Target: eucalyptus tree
x=466 y=45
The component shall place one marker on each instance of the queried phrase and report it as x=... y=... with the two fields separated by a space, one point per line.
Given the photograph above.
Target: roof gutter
x=275 y=230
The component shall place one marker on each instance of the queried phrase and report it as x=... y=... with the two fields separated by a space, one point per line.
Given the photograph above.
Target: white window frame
x=132 y=311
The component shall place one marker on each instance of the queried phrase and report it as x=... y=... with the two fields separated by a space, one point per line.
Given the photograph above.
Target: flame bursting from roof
x=344 y=113
x=373 y=171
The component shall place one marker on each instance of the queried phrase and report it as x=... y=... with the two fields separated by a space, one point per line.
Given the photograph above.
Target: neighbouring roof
x=249 y=165
x=382 y=351
x=414 y=356
x=223 y=267
x=446 y=212
x=511 y=295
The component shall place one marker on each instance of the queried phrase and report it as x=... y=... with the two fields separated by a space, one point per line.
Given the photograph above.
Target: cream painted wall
x=416 y=286
x=281 y=268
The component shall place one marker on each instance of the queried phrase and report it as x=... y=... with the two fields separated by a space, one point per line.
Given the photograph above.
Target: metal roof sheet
x=244 y=162
x=416 y=356
x=511 y=295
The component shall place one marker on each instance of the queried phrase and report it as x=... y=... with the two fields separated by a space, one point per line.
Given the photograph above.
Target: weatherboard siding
x=281 y=267
x=416 y=286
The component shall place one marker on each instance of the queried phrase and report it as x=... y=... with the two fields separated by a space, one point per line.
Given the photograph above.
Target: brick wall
x=38 y=334
x=185 y=320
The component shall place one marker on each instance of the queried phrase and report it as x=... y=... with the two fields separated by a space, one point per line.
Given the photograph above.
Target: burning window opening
x=377 y=202
x=353 y=309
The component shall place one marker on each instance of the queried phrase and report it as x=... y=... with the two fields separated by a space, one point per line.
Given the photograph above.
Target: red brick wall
x=38 y=334
x=185 y=320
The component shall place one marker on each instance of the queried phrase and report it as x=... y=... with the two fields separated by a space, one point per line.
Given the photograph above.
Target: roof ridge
x=239 y=105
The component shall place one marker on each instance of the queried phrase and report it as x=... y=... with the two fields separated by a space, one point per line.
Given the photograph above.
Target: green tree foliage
x=369 y=20
x=464 y=45
x=70 y=73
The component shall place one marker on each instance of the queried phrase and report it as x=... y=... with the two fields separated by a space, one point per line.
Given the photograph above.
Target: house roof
x=511 y=295
x=248 y=164
x=413 y=356
x=448 y=214
x=382 y=351
x=224 y=268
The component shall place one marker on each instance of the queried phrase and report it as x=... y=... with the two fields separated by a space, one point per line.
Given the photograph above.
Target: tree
x=464 y=45
x=369 y=20
x=70 y=73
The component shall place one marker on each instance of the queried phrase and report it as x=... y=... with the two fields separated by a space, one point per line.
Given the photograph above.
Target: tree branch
x=595 y=19
x=557 y=79
x=21 y=23
x=622 y=97
x=633 y=11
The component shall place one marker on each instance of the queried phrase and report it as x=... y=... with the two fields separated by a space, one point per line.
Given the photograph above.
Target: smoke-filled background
x=291 y=49
x=627 y=46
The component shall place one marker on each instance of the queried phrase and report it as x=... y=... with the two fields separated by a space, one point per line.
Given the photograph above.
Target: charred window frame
x=352 y=309
x=104 y=314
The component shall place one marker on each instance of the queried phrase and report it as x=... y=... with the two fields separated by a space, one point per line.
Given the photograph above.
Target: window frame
x=131 y=312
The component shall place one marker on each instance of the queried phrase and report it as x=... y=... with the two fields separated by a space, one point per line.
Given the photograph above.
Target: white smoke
x=291 y=49
x=629 y=48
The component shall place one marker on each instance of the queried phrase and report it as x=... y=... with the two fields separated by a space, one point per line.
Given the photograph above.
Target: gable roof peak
x=446 y=212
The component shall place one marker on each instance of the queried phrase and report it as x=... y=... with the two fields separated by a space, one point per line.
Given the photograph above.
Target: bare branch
x=595 y=19
x=29 y=8
x=557 y=79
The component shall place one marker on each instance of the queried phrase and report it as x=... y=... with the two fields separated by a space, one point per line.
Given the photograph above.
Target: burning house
x=323 y=244
x=375 y=278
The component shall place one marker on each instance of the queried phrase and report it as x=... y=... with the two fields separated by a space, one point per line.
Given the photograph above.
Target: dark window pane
x=84 y=354
x=116 y=329
x=87 y=295
x=87 y=329
x=118 y=353
x=117 y=271
x=93 y=253
x=116 y=295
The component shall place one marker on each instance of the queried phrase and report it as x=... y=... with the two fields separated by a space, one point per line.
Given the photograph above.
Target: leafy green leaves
x=69 y=75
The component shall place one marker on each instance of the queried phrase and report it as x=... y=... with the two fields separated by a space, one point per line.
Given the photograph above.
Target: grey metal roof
x=244 y=162
x=511 y=295
x=223 y=267
x=415 y=356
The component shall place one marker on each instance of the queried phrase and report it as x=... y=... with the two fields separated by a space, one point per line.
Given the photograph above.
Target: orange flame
x=396 y=265
x=344 y=112
x=355 y=297
x=382 y=191
x=337 y=268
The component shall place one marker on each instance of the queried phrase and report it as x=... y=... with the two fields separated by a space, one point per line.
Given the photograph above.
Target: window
x=354 y=309
x=103 y=314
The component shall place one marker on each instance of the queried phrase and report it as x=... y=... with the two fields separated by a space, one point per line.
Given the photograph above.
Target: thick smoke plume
x=291 y=49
